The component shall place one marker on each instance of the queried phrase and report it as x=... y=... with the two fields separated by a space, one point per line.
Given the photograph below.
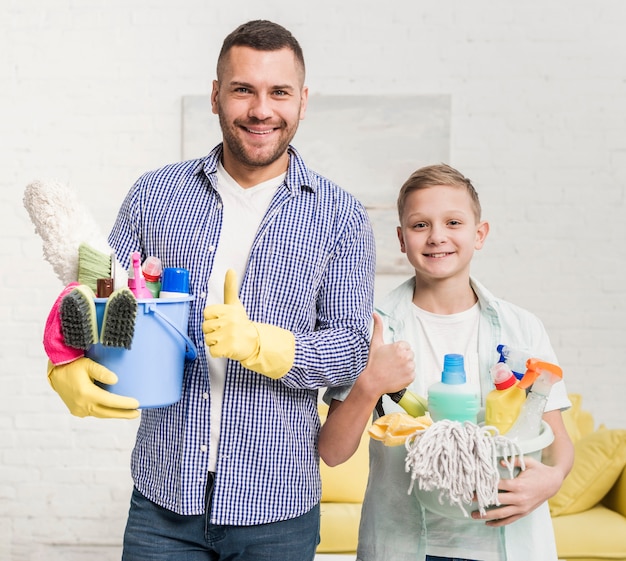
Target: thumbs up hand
x=229 y=333
x=390 y=366
x=227 y=330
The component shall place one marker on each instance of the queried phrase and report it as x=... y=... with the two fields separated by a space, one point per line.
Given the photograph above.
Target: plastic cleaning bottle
x=174 y=282
x=152 y=269
x=136 y=281
x=541 y=376
x=504 y=403
x=515 y=359
x=414 y=404
x=453 y=398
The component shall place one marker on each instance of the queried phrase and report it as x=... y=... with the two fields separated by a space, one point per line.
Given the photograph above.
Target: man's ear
x=214 y=96
x=303 y=102
x=481 y=234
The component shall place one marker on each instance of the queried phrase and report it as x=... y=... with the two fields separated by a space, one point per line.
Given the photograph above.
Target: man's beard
x=244 y=154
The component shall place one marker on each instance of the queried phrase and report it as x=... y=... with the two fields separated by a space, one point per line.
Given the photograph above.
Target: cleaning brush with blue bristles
x=118 y=323
x=78 y=318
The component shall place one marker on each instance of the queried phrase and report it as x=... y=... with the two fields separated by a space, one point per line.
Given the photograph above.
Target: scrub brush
x=78 y=318
x=92 y=265
x=118 y=323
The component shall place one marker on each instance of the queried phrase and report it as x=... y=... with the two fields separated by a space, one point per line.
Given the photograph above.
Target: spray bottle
x=503 y=404
x=136 y=280
x=515 y=358
x=152 y=269
x=541 y=376
x=453 y=398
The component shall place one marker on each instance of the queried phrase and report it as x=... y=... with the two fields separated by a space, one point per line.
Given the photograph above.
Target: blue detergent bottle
x=453 y=398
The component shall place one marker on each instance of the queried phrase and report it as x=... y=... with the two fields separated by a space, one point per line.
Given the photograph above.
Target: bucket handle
x=190 y=352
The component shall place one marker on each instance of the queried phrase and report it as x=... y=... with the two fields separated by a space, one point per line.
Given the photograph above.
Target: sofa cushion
x=599 y=459
x=598 y=533
x=339 y=527
x=577 y=421
x=346 y=482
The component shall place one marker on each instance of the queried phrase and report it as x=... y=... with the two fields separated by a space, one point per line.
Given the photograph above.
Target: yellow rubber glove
x=394 y=428
x=229 y=333
x=74 y=382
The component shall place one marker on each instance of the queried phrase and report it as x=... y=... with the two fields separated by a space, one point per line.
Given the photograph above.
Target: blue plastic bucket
x=151 y=371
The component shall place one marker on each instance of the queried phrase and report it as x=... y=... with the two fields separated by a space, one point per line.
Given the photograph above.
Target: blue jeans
x=154 y=533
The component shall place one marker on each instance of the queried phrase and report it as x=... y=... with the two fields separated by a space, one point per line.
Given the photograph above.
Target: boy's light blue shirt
x=392 y=522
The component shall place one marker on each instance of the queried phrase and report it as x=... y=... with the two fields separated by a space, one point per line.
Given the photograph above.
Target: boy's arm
x=540 y=480
x=560 y=454
x=390 y=368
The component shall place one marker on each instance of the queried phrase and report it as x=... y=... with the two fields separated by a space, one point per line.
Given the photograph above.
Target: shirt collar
x=299 y=177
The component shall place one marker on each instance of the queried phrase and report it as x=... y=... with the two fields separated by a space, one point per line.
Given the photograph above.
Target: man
x=281 y=264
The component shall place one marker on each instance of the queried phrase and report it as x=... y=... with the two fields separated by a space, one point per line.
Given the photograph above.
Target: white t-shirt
x=439 y=335
x=242 y=214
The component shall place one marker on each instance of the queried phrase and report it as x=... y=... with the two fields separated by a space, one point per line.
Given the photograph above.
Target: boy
x=442 y=310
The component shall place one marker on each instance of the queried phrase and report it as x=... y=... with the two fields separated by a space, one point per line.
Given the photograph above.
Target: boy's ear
x=401 y=239
x=481 y=234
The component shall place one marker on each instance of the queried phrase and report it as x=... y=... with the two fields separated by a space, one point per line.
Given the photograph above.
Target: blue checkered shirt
x=311 y=271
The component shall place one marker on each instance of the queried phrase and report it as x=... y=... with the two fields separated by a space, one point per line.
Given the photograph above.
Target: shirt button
x=203 y=448
x=219 y=205
x=205 y=395
x=211 y=248
x=203 y=295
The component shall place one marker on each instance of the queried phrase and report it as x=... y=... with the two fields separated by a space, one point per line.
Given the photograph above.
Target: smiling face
x=439 y=232
x=260 y=99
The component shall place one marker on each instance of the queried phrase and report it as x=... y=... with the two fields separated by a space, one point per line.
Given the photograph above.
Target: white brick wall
x=90 y=94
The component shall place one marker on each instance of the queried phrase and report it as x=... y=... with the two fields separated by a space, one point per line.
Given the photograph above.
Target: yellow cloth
x=229 y=333
x=74 y=382
x=394 y=428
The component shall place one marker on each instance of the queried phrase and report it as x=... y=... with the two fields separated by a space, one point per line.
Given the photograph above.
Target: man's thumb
x=98 y=372
x=230 y=287
x=377 y=332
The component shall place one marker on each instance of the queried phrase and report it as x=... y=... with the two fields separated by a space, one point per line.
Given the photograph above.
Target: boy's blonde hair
x=431 y=176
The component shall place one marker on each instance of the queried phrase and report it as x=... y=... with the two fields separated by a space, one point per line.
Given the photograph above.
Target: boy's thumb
x=377 y=332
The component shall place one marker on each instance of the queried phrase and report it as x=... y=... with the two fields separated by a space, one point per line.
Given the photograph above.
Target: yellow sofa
x=343 y=489
x=589 y=512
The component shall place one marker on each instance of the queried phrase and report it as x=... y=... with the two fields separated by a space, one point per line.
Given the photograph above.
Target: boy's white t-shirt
x=439 y=335
x=243 y=210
